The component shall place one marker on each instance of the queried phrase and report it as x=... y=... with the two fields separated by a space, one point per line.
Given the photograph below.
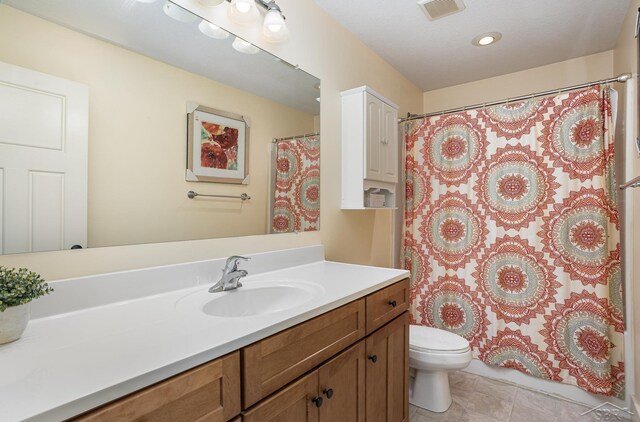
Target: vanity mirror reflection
x=141 y=64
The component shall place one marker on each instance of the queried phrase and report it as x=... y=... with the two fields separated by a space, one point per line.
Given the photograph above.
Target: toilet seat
x=429 y=339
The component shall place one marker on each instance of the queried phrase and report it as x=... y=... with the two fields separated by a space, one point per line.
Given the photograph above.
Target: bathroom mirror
x=142 y=64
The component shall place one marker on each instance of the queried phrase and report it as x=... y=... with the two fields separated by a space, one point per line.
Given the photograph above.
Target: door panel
x=342 y=386
x=43 y=158
x=388 y=372
x=373 y=137
x=390 y=144
x=46 y=197
x=291 y=404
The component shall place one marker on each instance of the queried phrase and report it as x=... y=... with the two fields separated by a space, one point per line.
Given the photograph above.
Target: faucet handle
x=233 y=261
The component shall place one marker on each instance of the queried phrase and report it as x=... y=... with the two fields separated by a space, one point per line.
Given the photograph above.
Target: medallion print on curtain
x=512 y=236
x=296 y=201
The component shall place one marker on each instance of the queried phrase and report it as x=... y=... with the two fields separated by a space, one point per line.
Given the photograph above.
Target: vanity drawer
x=210 y=392
x=275 y=361
x=386 y=304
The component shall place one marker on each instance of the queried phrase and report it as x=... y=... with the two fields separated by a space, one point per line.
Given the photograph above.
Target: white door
x=43 y=161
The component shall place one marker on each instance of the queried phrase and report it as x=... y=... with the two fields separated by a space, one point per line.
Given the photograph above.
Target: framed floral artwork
x=217 y=146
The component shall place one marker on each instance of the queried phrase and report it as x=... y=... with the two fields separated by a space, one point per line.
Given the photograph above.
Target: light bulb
x=213 y=31
x=274 y=29
x=243 y=11
x=243 y=6
x=486 y=40
x=243 y=46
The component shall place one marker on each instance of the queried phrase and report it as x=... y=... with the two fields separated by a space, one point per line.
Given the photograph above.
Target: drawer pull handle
x=373 y=358
x=328 y=392
x=393 y=303
x=317 y=401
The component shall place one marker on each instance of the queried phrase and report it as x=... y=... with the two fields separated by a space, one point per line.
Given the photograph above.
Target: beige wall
x=137 y=127
x=625 y=59
x=556 y=75
x=322 y=47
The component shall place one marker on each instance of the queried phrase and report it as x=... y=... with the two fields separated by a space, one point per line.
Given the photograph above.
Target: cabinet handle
x=317 y=401
x=373 y=358
x=328 y=392
x=393 y=303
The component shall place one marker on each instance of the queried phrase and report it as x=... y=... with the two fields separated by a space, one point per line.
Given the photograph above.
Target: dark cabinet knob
x=373 y=358
x=393 y=303
x=317 y=401
x=76 y=247
x=328 y=392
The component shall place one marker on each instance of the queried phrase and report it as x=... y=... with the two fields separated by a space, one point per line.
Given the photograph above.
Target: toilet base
x=430 y=390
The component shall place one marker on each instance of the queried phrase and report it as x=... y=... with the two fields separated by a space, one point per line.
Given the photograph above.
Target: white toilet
x=432 y=353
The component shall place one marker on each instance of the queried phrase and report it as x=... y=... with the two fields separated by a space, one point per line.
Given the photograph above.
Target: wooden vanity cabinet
x=333 y=392
x=210 y=392
x=366 y=382
x=347 y=365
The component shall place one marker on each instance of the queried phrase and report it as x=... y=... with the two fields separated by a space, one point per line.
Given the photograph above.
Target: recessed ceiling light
x=487 y=38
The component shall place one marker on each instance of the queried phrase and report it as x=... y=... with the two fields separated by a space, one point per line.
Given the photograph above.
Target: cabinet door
x=373 y=138
x=210 y=392
x=390 y=144
x=291 y=404
x=387 y=372
x=342 y=386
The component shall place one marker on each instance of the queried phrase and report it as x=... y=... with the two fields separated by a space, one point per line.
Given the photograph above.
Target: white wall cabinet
x=369 y=149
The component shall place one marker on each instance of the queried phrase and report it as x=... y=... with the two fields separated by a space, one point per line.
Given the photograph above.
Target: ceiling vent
x=436 y=9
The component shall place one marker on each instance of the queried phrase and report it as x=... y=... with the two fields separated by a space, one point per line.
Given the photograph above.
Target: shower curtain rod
x=621 y=78
x=288 y=138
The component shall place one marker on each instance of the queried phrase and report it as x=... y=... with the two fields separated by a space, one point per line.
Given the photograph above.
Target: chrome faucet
x=231 y=275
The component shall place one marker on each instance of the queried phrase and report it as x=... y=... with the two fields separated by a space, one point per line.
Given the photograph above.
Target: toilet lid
x=428 y=338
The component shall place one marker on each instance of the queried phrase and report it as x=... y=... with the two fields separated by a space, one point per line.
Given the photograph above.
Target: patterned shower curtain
x=512 y=236
x=296 y=194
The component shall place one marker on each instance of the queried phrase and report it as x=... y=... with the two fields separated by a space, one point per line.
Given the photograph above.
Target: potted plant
x=18 y=287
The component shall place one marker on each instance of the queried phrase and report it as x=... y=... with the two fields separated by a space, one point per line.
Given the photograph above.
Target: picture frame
x=217 y=146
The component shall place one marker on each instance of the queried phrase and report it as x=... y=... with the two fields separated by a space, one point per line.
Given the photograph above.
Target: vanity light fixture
x=213 y=31
x=243 y=46
x=487 y=38
x=273 y=28
x=245 y=12
x=178 y=13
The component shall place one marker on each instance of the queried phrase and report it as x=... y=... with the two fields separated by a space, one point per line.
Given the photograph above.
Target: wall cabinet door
x=374 y=133
x=342 y=386
x=388 y=359
x=389 y=144
x=381 y=140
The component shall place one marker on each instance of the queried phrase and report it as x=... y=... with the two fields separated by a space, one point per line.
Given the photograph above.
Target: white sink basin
x=253 y=298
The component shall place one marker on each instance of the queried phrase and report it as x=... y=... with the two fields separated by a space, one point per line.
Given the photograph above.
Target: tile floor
x=479 y=399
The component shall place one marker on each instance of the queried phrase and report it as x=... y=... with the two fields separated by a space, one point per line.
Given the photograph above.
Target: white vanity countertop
x=70 y=362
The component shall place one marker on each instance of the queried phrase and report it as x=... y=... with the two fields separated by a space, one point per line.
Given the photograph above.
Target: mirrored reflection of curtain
x=512 y=236
x=296 y=197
